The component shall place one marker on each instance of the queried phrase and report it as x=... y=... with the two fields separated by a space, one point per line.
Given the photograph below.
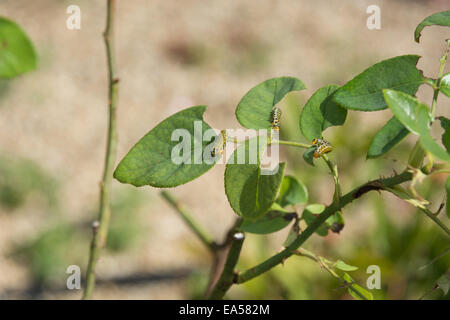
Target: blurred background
x=176 y=54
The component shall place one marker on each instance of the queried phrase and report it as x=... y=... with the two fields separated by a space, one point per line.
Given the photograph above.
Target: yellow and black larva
x=323 y=147
x=220 y=145
x=276 y=118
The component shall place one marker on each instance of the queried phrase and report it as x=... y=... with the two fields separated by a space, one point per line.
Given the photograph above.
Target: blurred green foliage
x=20 y=178
x=48 y=254
x=188 y=53
x=125 y=227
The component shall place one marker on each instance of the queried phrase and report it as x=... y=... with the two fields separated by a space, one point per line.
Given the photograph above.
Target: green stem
x=228 y=276
x=436 y=220
x=283 y=142
x=435 y=259
x=334 y=173
x=292 y=143
x=337 y=187
x=324 y=263
x=408 y=197
x=320 y=260
x=443 y=60
x=101 y=227
x=330 y=210
x=440 y=171
x=436 y=286
x=441 y=167
x=186 y=216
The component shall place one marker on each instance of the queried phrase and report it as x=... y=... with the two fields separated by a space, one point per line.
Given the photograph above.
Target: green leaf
x=439 y=19
x=274 y=220
x=364 y=92
x=17 y=54
x=445 y=84
x=404 y=107
x=150 y=162
x=250 y=193
x=309 y=214
x=417 y=118
x=292 y=192
x=308 y=155
x=321 y=112
x=341 y=265
x=356 y=291
x=445 y=124
x=444 y=282
x=447 y=191
x=391 y=134
x=254 y=111
x=426 y=140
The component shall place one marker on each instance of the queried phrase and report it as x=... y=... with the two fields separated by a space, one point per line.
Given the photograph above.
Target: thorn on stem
x=373 y=185
x=439 y=209
x=235 y=276
x=284 y=258
x=239 y=236
x=95 y=226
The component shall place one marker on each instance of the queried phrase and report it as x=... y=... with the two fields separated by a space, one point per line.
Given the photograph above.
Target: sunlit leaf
x=416 y=117
x=404 y=107
x=17 y=54
x=341 y=265
x=445 y=84
x=426 y=140
x=355 y=290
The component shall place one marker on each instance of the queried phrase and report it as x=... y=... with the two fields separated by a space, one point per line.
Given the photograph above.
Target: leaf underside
x=388 y=136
